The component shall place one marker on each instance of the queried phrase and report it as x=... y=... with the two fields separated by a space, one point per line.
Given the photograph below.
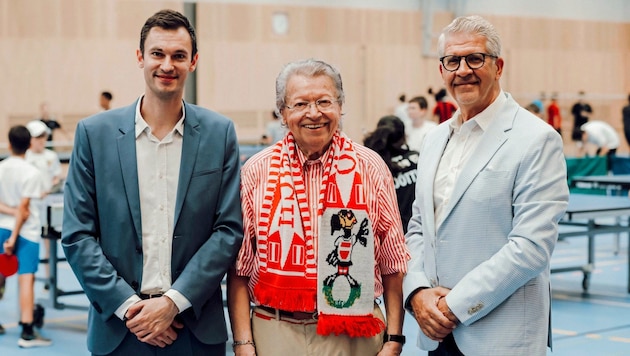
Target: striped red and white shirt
x=391 y=253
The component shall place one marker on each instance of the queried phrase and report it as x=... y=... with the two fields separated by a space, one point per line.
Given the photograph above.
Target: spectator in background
x=47 y=162
x=49 y=120
x=388 y=140
x=105 y=100
x=534 y=109
x=581 y=110
x=421 y=123
x=601 y=135
x=553 y=114
x=20 y=229
x=540 y=102
x=444 y=109
x=401 y=111
x=275 y=129
x=625 y=112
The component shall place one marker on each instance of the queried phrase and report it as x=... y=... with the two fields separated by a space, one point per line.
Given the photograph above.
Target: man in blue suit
x=152 y=216
x=490 y=191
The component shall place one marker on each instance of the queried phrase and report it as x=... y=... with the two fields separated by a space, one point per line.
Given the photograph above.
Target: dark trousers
x=447 y=347
x=186 y=344
x=609 y=157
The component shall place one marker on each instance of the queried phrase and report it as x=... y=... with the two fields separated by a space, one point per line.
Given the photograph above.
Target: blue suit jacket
x=499 y=229
x=101 y=233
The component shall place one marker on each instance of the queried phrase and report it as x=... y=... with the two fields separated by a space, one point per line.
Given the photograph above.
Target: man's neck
x=161 y=115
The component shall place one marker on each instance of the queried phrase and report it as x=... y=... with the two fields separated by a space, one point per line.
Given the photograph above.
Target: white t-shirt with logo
x=20 y=179
x=48 y=164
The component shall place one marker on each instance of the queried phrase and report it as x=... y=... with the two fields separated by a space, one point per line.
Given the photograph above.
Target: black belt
x=149 y=296
x=290 y=314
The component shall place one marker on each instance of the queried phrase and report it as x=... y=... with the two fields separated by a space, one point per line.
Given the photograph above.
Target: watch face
x=280 y=23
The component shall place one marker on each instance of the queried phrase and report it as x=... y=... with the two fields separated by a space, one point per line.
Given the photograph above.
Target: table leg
x=591 y=256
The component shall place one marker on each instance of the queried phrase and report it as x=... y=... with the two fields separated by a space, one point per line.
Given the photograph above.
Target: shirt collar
x=304 y=161
x=484 y=118
x=142 y=125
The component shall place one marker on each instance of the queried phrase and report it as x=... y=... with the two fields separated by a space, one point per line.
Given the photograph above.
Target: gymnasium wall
x=66 y=52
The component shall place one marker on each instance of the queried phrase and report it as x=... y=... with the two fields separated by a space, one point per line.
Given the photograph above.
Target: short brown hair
x=168 y=20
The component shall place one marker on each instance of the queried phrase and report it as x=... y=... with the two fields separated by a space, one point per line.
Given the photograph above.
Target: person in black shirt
x=581 y=110
x=388 y=140
x=49 y=120
x=626 y=120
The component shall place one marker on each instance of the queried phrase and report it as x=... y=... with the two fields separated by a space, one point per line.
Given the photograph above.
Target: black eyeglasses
x=473 y=60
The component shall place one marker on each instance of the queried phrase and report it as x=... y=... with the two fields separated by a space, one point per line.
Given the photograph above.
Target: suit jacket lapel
x=433 y=148
x=129 y=165
x=190 y=149
x=491 y=141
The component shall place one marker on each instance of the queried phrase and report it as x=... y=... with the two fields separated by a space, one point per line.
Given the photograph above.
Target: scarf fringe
x=285 y=299
x=353 y=326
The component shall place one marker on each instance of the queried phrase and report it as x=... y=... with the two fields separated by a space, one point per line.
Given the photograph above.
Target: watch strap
x=395 y=338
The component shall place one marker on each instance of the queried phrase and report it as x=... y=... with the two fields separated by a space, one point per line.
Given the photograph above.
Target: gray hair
x=309 y=68
x=473 y=24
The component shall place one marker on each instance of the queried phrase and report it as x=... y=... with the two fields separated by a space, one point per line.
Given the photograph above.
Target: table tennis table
x=52 y=232
x=617 y=182
x=582 y=212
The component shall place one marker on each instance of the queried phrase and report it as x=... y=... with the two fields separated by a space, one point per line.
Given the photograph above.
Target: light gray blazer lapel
x=491 y=141
x=433 y=148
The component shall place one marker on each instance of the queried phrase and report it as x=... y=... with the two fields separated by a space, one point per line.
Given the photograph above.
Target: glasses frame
x=317 y=104
x=459 y=62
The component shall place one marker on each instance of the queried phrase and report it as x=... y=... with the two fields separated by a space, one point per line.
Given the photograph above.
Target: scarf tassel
x=353 y=326
x=285 y=299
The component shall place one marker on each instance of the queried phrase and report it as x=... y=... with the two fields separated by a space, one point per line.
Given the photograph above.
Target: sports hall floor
x=595 y=323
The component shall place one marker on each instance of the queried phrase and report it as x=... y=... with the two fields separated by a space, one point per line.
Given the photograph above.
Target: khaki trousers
x=290 y=337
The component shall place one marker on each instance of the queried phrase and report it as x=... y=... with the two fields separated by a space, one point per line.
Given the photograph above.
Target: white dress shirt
x=158 y=164
x=461 y=145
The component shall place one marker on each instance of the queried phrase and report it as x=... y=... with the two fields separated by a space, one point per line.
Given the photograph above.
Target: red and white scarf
x=340 y=283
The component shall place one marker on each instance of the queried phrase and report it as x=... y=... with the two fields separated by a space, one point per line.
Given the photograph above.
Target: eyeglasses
x=473 y=60
x=303 y=106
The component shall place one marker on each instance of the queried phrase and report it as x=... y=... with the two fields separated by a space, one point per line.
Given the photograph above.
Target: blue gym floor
x=593 y=323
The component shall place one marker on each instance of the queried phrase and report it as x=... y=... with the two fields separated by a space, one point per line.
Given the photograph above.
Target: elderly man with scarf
x=323 y=234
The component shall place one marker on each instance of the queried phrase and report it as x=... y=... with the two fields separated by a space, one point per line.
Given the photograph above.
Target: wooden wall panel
x=29 y=18
x=67 y=51
x=128 y=16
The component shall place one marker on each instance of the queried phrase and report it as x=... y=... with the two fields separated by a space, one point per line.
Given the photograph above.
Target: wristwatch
x=395 y=338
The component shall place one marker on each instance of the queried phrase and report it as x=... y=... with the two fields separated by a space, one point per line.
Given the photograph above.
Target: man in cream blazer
x=491 y=188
